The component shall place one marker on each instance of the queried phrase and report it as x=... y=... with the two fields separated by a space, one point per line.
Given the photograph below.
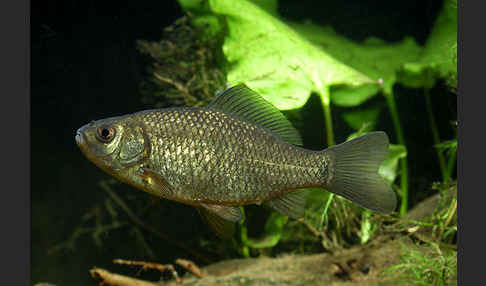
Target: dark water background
x=85 y=67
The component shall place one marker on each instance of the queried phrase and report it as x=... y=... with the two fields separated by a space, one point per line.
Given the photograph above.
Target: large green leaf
x=363 y=118
x=377 y=59
x=273 y=232
x=403 y=62
x=439 y=57
x=284 y=61
x=388 y=169
x=273 y=59
x=270 y=6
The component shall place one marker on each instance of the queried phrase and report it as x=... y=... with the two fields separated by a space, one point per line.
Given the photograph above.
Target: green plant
x=183 y=70
x=434 y=268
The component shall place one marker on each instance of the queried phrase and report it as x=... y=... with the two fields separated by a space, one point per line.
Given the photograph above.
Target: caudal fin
x=356 y=178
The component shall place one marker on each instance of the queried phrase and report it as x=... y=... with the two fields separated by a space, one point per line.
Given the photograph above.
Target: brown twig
x=312 y=229
x=150 y=265
x=174 y=83
x=131 y=215
x=106 y=278
x=179 y=86
x=70 y=243
x=191 y=267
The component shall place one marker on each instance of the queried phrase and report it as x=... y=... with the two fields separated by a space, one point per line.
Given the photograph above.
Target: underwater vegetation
x=358 y=87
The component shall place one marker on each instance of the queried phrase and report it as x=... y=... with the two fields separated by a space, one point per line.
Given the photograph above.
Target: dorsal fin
x=249 y=105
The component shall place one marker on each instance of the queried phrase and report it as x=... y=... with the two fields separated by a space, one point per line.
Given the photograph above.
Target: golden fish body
x=234 y=152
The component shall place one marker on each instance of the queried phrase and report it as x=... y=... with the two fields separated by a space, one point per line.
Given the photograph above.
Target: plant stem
x=451 y=163
x=435 y=135
x=273 y=232
x=326 y=103
x=403 y=162
x=242 y=246
x=324 y=212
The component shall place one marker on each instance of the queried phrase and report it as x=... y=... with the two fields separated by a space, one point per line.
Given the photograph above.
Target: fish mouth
x=80 y=137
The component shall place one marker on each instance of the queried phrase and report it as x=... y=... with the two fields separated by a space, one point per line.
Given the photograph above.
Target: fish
x=237 y=150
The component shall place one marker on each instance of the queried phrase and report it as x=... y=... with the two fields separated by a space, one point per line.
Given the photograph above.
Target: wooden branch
x=151 y=265
x=136 y=220
x=191 y=267
x=106 y=278
x=174 y=83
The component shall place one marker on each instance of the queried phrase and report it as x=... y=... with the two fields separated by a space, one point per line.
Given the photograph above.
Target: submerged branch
x=70 y=242
x=191 y=267
x=106 y=278
x=150 y=265
x=136 y=220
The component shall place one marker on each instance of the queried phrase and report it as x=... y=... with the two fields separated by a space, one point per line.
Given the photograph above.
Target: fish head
x=118 y=145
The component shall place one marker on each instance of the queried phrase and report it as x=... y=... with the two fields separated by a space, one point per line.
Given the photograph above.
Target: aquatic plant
x=435 y=268
x=182 y=69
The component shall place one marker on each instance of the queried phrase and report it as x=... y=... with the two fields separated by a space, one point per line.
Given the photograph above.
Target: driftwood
x=360 y=265
x=106 y=278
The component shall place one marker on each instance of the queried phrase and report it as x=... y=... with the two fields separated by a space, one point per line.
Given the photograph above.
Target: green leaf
x=365 y=128
x=362 y=119
x=388 y=169
x=343 y=95
x=379 y=60
x=273 y=231
x=212 y=25
x=270 y=6
x=276 y=61
x=449 y=146
x=439 y=57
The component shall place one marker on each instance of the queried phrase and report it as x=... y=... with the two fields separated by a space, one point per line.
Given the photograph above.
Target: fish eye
x=105 y=134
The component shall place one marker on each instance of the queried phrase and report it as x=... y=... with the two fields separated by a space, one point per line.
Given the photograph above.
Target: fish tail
x=354 y=175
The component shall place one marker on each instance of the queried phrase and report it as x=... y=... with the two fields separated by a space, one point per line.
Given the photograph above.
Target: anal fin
x=230 y=213
x=223 y=228
x=291 y=204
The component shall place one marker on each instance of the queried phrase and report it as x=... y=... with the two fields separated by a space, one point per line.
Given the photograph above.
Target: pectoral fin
x=223 y=228
x=157 y=185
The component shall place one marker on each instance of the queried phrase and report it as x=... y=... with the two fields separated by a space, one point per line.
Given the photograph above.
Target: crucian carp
x=236 y=151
